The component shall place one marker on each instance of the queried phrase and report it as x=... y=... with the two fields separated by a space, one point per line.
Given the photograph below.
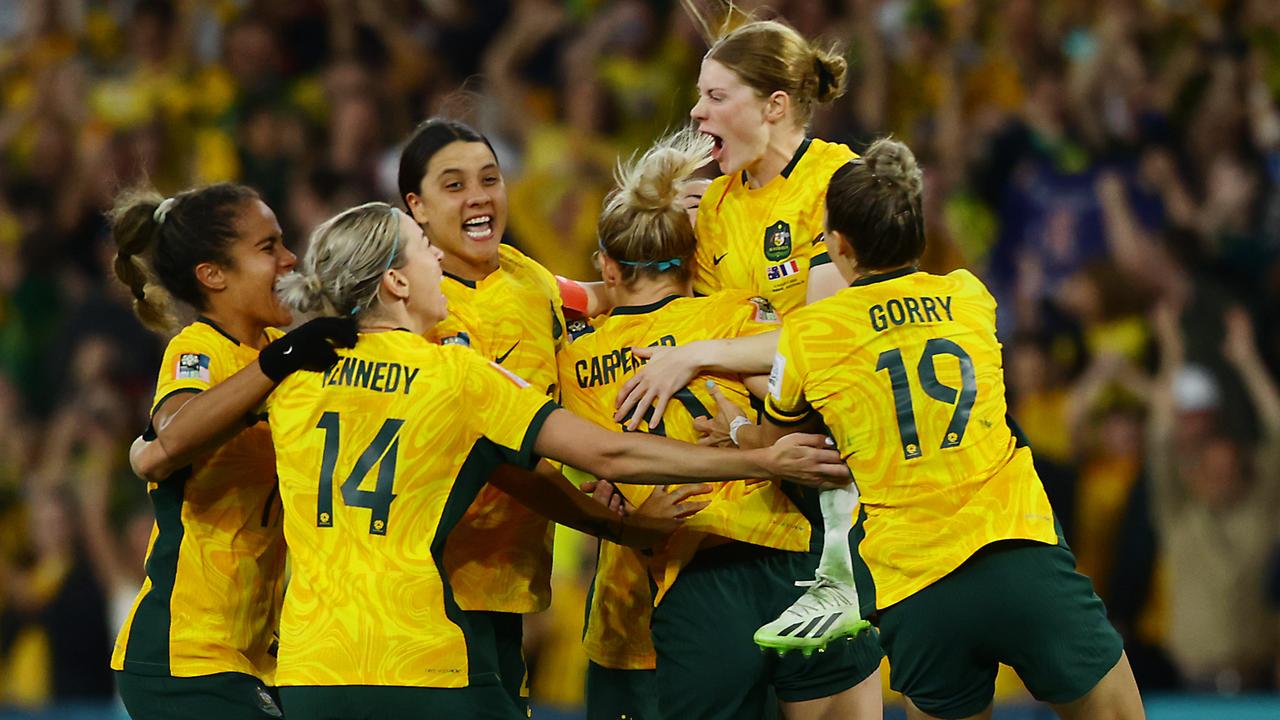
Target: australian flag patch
x=777 y=272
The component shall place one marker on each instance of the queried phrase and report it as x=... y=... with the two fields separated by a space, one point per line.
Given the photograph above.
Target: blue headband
x=659 y=265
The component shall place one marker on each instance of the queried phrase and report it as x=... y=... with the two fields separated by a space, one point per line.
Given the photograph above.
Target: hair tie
x=659 y=265
x=825 y=78
x=162 y=210
x=140 y=293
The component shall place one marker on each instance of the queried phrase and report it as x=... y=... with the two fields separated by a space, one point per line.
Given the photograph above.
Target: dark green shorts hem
x=615 y=694
x=1017 y=602
x=863 y=658
x=229 y=696
x=708 y=665
x=377 y=702
x=507 y=632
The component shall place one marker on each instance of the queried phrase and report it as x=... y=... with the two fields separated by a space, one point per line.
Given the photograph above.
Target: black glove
x=309 y=346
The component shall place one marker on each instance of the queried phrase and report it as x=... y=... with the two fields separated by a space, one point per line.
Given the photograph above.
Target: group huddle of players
x=788 y=433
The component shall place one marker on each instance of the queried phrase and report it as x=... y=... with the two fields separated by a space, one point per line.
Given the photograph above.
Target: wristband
x=737 y=423
x=573 y=297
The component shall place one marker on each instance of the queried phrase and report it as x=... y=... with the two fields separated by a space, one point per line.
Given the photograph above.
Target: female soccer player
x=197 y=643
x=380 y=456
x=507 y=308
x=905 y=369
x=760 y=223
x=729 y=569
x=760 y=228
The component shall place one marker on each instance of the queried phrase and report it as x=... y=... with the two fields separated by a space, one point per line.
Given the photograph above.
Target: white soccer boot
x=828 y=610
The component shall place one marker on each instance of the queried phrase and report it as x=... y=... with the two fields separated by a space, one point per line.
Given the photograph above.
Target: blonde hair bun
x=653 y=182
x=346 y=258
x=303 y=292
x=644 y=225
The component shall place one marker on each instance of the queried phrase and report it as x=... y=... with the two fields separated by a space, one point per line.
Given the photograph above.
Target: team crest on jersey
x=786 y=269
x=777 y=241
x=192 y=366
x=764 y=311
x=461 y=338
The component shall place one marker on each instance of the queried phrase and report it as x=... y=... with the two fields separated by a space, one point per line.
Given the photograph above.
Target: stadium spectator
x=1215 y=500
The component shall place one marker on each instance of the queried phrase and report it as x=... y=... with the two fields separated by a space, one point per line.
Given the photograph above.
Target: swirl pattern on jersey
x=499 y=556
x=766 y=239
x=592 y=368
x=210 y=602
x=906 y=371
x=374 y=473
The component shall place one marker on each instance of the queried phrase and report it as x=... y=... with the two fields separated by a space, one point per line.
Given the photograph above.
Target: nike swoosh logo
x=717 y=260
x=286 y=352
x=504 y=355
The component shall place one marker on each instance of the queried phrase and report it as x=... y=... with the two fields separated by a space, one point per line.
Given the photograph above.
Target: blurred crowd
x=1110 y=169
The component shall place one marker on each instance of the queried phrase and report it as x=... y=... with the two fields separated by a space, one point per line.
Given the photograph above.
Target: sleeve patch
x=775 y=375
x=578 y=328
x=765 y=313
x=192 y=366
x=514 y=378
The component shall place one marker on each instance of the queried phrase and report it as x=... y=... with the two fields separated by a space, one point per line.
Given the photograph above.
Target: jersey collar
x=881 y=277
x=642 y=309
x=469 y=283
x=473 y=284
x=791 y=166
x=218 y=328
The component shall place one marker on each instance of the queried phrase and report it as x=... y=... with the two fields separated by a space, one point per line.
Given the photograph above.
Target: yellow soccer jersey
x=210 y=602
x=378 y=459
x=592 y=368
x=766 y=239
x=905 y=369
x=499 y=556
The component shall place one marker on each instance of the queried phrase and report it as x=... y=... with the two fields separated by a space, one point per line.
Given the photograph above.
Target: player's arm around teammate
x=979 y=574
x=631 y=458
x=741 y=554
x=370 y=603
x=197 y=642
x=760 y=228
x=218 y=414
x=506 y=307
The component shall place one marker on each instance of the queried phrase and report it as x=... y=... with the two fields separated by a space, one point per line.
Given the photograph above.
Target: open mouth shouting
x=479 y=228
x=717 y=150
